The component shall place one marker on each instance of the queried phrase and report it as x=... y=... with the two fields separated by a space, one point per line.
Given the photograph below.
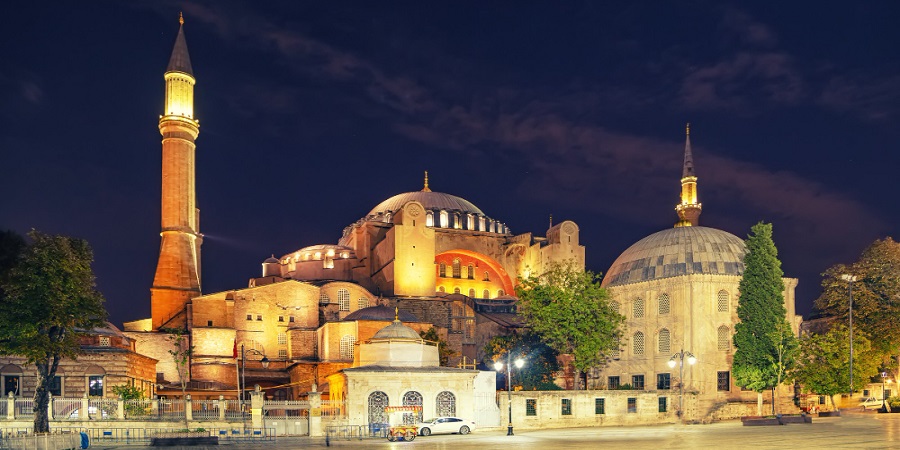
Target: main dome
x=678 y=251
x=430 y=200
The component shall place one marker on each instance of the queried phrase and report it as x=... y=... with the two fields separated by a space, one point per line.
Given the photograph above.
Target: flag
x=234 y=351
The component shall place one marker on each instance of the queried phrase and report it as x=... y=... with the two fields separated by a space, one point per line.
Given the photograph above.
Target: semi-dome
x=380 y=313
x=430 y=200
x=678 y=251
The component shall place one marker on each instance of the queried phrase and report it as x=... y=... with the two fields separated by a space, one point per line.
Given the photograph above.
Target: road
x=852 y=431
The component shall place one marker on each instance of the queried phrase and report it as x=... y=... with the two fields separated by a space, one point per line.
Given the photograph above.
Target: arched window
x=444 y=219
x=347 y=343
x=456 y=290
x=637 y=308
x=362 y=303
x=377 y=402
x=616 y=306
x=429 y=219
x=724 y=335
x=615 y=352
x=487 y=294
x=723 y=301
x=500 y=293
x=663 y=304
x=323 y=298
x=471 y=293
x=637 y=343
x=344 y=299
x=412 y=398
x=456 y=268
x=487 y=276
x=665 y=341
x=441 y=289
x=445 y=404
x=442 y=270
x=470 y=273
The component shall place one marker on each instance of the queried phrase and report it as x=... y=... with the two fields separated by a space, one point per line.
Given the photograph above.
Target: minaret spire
x=177 y=278
x=426 y=188
x=689 y=208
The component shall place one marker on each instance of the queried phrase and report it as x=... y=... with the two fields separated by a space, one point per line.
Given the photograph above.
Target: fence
x=360 y=432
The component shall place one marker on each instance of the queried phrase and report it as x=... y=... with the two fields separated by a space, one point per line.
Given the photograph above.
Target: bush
x=894 y=402
x=625 y=387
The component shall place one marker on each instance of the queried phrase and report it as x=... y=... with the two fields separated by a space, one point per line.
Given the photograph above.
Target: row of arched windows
x=344 y=300
x=664 y=341
x=347 y=343
x=472 y=294
x=457 y=271
x=468 y=221
x=664 y=305
x=444 y=405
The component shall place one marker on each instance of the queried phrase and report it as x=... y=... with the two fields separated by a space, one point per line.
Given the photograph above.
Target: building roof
x=678 y=251
x=433 y=369
x=180 y=61
x=396 y=330
x=380 y=313
x=434 y=201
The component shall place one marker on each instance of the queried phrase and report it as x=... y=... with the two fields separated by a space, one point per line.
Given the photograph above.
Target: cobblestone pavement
x=852 y=431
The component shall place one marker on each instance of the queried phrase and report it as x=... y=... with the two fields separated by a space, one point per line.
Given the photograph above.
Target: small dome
x=380 y=312
x=678 y=251
x=272 y=260
x=397 y=330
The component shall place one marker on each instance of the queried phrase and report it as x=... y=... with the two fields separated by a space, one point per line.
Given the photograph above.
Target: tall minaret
x=177 y=278
x=689 y=209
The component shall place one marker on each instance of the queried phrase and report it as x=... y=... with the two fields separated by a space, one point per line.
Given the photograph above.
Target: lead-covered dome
x=430 y=200
x=678 y=251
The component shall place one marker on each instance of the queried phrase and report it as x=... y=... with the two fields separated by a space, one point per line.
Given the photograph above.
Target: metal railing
x=360 y=432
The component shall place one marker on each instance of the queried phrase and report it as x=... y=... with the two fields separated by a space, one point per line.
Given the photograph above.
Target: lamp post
x=850 y=279
x=499 y=366
x=265 y=364
x=680 y=356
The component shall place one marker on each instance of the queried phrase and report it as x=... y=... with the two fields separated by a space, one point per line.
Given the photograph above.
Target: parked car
x=445 y=425
x=870 y=403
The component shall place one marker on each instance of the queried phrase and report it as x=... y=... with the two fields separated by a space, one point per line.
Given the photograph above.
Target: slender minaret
x=177 y=278
x=689 y=209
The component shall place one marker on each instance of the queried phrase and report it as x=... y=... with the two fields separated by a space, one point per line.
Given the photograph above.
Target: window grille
x=282 y=353
x=566 y=407
x=665 y=341
x=664 y=304
x=530 y=406
x=412 y=398
x=723 y=301
x=632 y=404
x=445 y=404
x=637 y=308
x=344 y=299
x=637 y=382
x=663 y=381
x=323 y=298
x=612 y=383
x=362 y=303
x=377 y=402
x=723 y=381
x=663 y=404
x=347 y=343
x=637 y=343
x=724 y=338
x=616 y=307
x=457 y=269
x=599 y=406
x=442 y=270
x=471 y=272
x=282 y=338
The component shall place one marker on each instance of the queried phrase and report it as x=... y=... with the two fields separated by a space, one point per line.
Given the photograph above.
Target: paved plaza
x=852 y=431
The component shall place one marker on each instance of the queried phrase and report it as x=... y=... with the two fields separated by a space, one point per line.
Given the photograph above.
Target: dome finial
x=551 y=220
x=396 y=314
x=180 y=18
x=687 y=129
x=426 y=189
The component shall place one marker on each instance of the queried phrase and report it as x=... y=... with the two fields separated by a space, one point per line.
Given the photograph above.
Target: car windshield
x=428 y=421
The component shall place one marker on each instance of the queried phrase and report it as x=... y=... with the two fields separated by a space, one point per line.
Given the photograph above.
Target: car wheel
x=425 y=432
x=464 y=430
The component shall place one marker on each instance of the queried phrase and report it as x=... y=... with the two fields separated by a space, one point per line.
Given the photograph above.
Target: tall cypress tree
x=762 y=340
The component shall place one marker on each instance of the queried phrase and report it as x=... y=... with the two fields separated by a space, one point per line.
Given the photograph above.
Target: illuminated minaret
x=177 y=278
x=689 y=209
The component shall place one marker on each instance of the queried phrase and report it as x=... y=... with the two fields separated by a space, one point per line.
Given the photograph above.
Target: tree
x=49 y=299
x=762 y=338
x=876 y=296
x=571 y=313
x=181 y=352
x=541 y=362
x=823 y=364
x=444 y=350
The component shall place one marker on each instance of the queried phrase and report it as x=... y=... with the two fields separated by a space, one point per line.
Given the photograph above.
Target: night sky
x=311 y=114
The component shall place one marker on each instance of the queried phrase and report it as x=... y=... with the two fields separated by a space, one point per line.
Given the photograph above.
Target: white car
x=870 y=403
x=445 y=425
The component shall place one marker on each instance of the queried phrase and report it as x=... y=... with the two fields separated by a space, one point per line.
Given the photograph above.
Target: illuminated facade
x=436 y=257
x=678 y=290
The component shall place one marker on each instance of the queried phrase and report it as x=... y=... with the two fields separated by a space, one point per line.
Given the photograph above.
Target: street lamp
x=850 y=279
x=691 y=359
x=264 y=361
x=498 y=366
x=883 y=392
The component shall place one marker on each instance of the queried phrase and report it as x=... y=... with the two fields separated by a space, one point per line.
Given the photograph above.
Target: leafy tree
x=876 y=296
x=541 y=363
x=131 y=392
x=181 y=352
x=48 y=301
x=444 y=350
x=762 y=339
x=570 y=312
x=823 y=366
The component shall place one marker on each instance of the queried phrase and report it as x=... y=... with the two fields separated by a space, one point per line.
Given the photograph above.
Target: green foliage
x=444 y=350
x=764 y=345
x=181 y=352
x=570 y=312
x=894 y=403
x=625 y=387
x=540 y=360
x=48 y=299
x=876 y=295
x=823 y=366
x=128 y=392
